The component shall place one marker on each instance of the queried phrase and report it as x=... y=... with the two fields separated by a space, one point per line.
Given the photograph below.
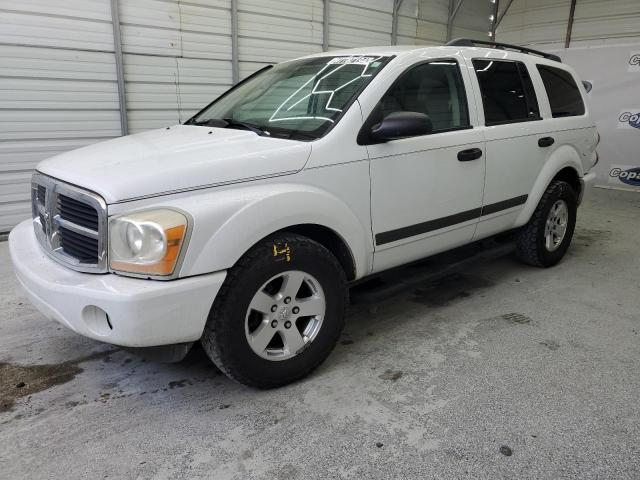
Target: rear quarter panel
x=575 y=138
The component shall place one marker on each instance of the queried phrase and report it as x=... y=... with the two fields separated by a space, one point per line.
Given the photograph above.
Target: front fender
x=227 y=223
x=562 y=157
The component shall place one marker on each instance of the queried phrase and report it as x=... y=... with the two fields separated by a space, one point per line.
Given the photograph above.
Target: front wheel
x=279 y=313
x=545 y=239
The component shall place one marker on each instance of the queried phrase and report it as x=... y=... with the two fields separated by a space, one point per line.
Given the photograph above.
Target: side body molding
x=564 y=156
x=227 y=224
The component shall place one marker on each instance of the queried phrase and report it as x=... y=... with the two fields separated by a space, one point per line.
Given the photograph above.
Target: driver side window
x=435 y=89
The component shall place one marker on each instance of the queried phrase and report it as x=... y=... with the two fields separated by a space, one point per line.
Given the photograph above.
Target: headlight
x=147 y=242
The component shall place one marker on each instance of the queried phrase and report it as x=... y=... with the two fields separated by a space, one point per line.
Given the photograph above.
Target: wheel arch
x=223 y=237
x=570 y=175
x=564 y=164
x=329 y=239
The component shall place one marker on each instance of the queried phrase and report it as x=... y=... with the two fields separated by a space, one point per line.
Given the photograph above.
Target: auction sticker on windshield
x=352 y=60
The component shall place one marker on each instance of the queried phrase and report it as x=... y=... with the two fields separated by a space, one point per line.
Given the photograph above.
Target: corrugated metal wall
x=57 y=88
x=473 y=21
x=177 y=57
x=271 y=32
x=58 y=82
x=360 y=22
x=596 y=22
x=423 y=23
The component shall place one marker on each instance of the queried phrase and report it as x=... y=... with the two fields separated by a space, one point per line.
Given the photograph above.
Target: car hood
x=174 y=159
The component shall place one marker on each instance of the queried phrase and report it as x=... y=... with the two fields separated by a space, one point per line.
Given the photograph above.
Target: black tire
x=224 y=337
x=530 y=240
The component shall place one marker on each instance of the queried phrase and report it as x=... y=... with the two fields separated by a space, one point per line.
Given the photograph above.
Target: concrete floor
x=502 y=371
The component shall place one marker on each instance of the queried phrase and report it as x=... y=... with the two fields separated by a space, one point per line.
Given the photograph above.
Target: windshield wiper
x=232 y=123
x=276 y=132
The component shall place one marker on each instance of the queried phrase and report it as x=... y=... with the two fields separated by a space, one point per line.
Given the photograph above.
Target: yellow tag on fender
x=282 y=252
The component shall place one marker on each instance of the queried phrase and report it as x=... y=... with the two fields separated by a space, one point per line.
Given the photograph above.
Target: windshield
x=301 y=99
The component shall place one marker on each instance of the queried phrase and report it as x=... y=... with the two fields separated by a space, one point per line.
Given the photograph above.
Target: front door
x=426 y=191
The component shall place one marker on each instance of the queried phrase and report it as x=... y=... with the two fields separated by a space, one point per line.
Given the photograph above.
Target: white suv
x=243 y=227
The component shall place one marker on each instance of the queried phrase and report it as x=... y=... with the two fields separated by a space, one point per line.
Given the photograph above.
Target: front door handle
x=468 y=155
x=546 y=142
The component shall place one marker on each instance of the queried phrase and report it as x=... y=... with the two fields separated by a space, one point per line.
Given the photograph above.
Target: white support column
x=494 y=23
x=325 y=25
x=117 y=47
x=235 y=63
x=572 y=12
x=394 y=25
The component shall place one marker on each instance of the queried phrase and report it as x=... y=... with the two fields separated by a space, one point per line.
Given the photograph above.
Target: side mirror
x=401 y=124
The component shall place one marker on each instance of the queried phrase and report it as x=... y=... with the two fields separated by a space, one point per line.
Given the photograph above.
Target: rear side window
x=564 y=95
x=507 y=92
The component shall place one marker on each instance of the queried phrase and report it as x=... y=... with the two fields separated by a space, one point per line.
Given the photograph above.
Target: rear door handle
x=546 y=142
x=468 y=155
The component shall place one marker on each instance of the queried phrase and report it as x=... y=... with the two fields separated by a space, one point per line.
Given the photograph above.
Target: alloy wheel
x=285 y=315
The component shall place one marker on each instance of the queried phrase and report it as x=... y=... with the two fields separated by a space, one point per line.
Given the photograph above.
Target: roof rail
x=468 y=42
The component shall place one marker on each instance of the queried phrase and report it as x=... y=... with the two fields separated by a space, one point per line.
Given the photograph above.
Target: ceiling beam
x=503 y=14
x=452 y=16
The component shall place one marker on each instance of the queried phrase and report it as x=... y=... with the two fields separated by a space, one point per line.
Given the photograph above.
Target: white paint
x=356 y=191
x=142 y=313
x=177 y=158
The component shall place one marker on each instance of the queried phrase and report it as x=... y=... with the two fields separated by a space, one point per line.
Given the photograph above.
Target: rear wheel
x=279 y=313
x=545 y=239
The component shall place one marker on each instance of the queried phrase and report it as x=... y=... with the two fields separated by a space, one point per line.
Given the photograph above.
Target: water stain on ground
x=17 y=381
x=517 y=318
x=506 y=450
x=588 y=236
x=179 y=383
x=591 y=234
x=391 y=375
x=550 y=344
x=449 y=289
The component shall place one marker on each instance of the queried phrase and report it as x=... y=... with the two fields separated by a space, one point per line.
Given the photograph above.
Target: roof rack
x=468 y=42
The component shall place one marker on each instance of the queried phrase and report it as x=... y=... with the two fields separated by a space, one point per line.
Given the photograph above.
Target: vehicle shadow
x=379 y=303
x=429 y=284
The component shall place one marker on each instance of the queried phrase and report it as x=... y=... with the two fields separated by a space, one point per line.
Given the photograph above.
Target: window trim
x=546 y=91
x=520 y=65
x=364 y=138
x=517 y=63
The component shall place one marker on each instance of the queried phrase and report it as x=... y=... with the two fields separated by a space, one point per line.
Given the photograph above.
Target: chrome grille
x=83 y=248
x=70 y=223
x=78 y=212
x=42 y=194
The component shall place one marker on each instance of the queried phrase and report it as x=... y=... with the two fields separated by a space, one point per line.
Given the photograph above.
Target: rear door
x=514 y=130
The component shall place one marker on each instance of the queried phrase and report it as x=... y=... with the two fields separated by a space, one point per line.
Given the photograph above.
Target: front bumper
x=114 y=309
